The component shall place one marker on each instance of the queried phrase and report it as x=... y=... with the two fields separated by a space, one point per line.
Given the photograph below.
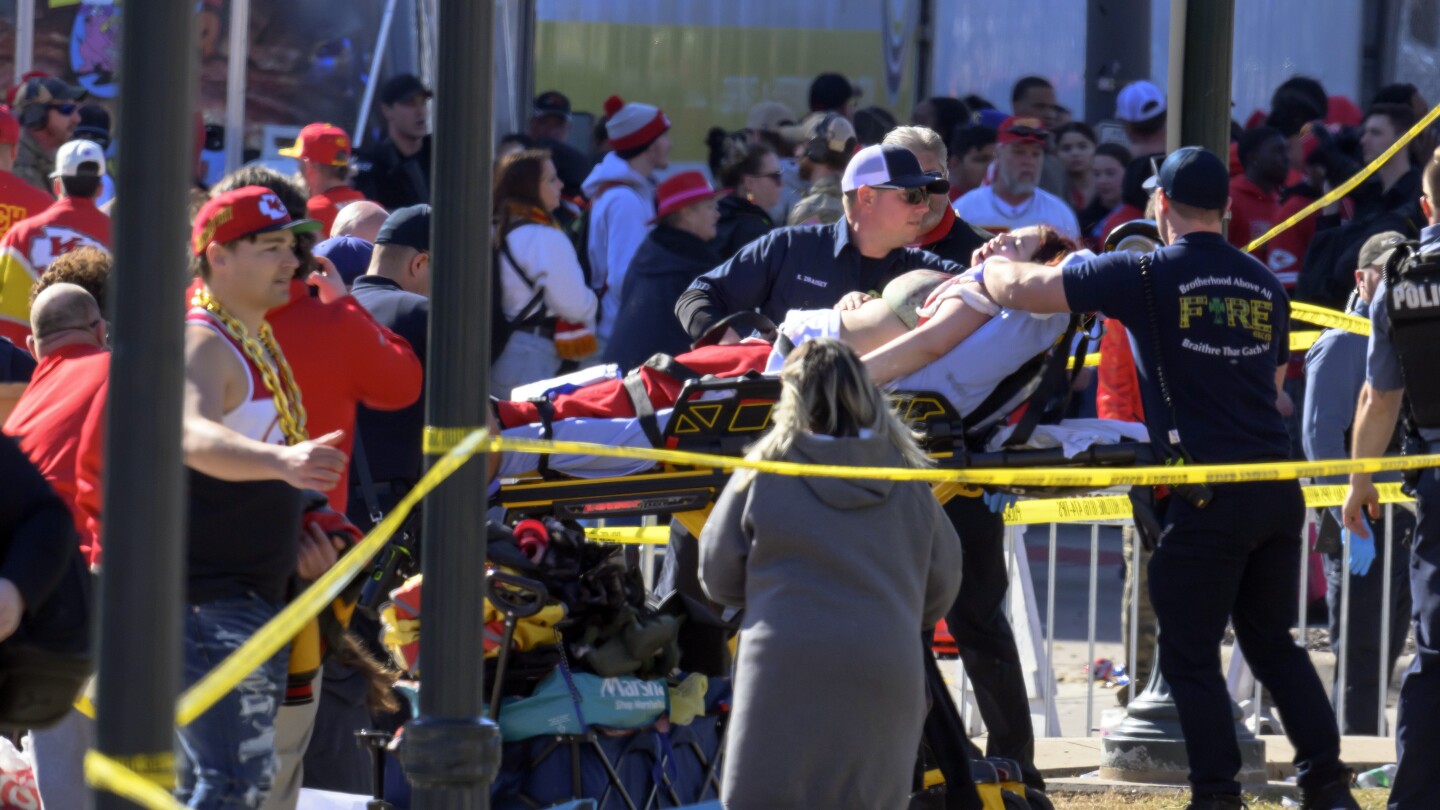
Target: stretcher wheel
x=1014 y=801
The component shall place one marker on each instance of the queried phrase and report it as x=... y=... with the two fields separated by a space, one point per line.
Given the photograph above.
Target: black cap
x=831 y=91
x=1194 y=176
x=94 y=125
x=407 y=226
x=399 y=88
x=552 y=102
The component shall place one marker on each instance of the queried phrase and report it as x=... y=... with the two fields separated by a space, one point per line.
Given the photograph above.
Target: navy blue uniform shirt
x=798 y=267
x=1224 y=328
x=392 y=438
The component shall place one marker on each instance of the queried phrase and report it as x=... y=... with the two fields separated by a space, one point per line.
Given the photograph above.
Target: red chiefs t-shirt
x=326 y=205
x=19 y=201
x=1253 y=213
x=65 y=392
x=32 y=244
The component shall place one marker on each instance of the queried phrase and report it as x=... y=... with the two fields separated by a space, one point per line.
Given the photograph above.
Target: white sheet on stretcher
x=1075 y=436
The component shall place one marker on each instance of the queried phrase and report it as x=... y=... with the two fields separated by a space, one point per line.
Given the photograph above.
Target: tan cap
x=1377 y=249
x=836 y=130
x=769 y=116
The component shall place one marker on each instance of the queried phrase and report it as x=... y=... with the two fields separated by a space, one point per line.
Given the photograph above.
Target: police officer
x=1404 y=329
x=887 y=198
x=1211 y=327
x=1334 y=374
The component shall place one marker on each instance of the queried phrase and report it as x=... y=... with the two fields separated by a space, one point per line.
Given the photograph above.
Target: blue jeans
x=227 y=754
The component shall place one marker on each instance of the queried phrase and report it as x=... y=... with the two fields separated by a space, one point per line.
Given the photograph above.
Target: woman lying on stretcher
x=919 y=335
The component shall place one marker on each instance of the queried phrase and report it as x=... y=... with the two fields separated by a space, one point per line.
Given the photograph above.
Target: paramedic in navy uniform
x=1220 y=322
x=1403 y=331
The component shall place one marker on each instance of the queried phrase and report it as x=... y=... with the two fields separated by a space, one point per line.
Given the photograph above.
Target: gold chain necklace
x=276 y=376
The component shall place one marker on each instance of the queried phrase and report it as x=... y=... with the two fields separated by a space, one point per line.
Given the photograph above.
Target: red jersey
x=609 y=399
x=1253 y=212
x=64 y=395
x=31 y=245
x=19 y=200
x=326 y=205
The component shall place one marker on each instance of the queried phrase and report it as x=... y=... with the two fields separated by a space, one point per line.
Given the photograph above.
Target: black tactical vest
x=1413 y=300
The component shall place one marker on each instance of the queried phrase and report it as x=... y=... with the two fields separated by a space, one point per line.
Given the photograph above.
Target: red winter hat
x=681 y=190
x=633 y=124
x=242 y=212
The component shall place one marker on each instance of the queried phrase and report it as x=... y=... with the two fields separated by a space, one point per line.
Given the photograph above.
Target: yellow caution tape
x=1329 y=318
x=1323 y=495
x=1349 y=185
x=1096 y=477
x=106 y=773
x=1302 y=341
x=280 y=630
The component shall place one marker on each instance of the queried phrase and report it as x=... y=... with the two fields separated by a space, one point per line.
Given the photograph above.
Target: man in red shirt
x=1255 y=194
x=72 y=221
x=69 y=339
x=18 y=199
x=324 y=154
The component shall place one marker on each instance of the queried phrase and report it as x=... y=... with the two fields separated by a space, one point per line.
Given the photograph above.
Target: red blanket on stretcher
x=608 y=399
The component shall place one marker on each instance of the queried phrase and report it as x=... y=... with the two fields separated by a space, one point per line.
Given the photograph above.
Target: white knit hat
x=631 y=125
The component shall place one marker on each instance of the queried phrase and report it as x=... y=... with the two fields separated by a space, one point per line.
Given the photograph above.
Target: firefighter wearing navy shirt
x=1404 y=331
x=1211 y=326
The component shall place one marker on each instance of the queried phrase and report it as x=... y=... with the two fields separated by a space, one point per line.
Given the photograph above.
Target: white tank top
x=256 y=417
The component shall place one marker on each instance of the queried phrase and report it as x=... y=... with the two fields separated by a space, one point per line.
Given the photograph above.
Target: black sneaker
x=1217 y=803
x=1333 y=794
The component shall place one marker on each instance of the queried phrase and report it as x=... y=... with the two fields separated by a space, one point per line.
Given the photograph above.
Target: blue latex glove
x=998 y=502
x=1362 y=549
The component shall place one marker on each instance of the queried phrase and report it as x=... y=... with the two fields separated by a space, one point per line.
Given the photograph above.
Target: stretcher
x=724 y=416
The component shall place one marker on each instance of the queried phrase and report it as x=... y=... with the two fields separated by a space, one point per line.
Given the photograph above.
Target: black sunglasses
x=63 y=109
x=915 y=195
x=775 y=175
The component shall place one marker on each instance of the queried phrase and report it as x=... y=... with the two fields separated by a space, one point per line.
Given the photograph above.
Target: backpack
x=578 y=229
x=501 y=328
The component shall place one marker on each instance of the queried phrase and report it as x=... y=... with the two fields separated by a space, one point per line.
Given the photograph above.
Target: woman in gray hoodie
x=836 y=577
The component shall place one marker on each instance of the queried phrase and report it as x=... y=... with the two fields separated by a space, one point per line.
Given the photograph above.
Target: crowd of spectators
x=593 y=249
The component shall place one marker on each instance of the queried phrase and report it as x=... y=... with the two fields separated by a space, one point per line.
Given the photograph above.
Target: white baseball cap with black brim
x=890 y=166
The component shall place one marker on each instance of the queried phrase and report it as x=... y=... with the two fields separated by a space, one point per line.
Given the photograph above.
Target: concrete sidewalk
x=1059 y=757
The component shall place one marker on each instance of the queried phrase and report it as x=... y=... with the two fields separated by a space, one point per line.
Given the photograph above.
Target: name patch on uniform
x=821 y=283
x=1414 y=295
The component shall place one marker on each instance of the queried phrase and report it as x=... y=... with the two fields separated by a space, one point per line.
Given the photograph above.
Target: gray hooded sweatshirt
x=837 y=578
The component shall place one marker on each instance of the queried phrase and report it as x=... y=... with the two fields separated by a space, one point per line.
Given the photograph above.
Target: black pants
x=1417 y=731
x=1238 y=560
x=1360 y=646
x=987 y=644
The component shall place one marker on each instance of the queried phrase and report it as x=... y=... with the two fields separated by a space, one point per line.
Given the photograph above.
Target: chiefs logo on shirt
x=55 y=241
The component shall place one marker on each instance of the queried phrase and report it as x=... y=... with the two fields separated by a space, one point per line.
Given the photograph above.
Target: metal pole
x=24 y=37
x=1131 y=666
x=1304 y=595
x=235 y=84
x=373 y=80
x=450 y=752
x=1384 y=690
x=1090 y=656
x=144 y=472
x=1205 y=93
x=1175 y=89
x=1343 y=663
x=1050 y=631
x=1112 y=29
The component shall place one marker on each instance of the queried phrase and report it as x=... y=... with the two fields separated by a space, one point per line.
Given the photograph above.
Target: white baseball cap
x=73 y=155
x=1139 y=101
